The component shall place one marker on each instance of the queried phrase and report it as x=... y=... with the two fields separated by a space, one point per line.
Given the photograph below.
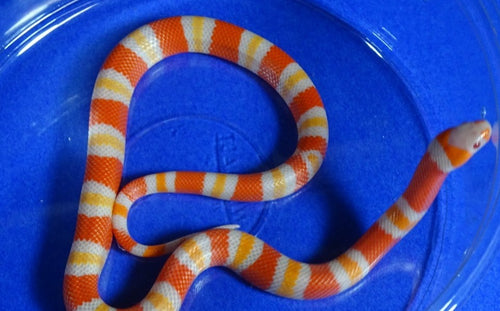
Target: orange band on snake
x=103 y=211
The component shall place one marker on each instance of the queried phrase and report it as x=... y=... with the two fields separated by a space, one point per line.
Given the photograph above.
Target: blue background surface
x=391 y=75
x=485 y=295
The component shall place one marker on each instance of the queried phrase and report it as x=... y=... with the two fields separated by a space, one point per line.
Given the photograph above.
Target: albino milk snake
x=103 y=211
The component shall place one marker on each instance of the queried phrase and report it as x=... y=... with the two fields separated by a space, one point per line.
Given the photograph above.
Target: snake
x=104 y=207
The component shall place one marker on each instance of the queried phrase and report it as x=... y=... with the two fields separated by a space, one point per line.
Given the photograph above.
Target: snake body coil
x=103 y=211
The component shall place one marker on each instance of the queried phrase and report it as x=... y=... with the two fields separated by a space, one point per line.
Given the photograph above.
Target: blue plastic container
x=392 y=74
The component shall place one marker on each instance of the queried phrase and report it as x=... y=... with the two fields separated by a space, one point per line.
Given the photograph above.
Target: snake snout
x=480 y=134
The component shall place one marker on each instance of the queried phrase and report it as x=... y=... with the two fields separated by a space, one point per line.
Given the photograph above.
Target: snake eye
x=476 y=145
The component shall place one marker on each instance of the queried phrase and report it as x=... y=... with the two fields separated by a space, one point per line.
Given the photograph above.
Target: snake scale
x=103 y=209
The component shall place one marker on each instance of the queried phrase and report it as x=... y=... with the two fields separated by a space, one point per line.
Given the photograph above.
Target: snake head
x=462 y=142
